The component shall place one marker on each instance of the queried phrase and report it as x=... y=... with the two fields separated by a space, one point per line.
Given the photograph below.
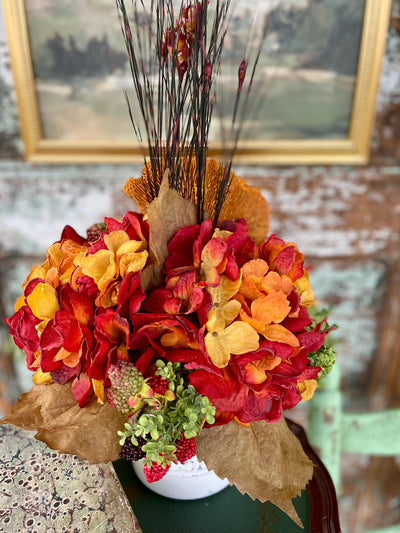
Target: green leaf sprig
x=326 y=355
x=163 y=425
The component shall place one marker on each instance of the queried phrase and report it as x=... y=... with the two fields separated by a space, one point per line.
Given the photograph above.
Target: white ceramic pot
x=188 y=481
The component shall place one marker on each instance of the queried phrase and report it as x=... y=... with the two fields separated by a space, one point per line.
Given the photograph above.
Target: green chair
x=331 y=431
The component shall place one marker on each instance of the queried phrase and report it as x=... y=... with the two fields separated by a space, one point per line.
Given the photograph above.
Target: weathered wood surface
x=376 y=433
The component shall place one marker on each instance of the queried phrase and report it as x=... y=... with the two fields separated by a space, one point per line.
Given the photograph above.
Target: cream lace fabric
x=42 y=491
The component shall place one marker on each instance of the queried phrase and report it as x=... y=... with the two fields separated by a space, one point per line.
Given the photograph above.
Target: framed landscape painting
x=313 y=100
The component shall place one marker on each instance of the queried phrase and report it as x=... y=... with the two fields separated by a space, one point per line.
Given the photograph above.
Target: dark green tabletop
x=225 y=512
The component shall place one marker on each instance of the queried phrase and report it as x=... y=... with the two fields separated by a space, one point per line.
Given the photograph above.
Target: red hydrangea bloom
x=111 y=332
x=23 y=328
x=120 y=251
x=58 y=321
x=186 y=247
x=66 y=340
x=158 y=336
x=255 y=386
x=49 y=305
x=252 y=386
x=197 y=258
x=112 y=328
x=132 y=223
x=282 y=257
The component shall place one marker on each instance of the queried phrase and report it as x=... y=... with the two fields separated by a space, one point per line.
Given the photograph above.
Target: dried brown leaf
x=264 y=460
x=51 y=410
x=167 y=213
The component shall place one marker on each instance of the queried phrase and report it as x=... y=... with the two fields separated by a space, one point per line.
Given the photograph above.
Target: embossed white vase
x=188 y=481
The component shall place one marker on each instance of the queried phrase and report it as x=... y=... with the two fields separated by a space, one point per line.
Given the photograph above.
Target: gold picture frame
x=353 y=149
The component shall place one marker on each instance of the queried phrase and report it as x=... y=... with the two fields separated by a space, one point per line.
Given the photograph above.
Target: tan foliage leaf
x=51 y=410
x=264 y=460
x=242 y=200
x=168 y=212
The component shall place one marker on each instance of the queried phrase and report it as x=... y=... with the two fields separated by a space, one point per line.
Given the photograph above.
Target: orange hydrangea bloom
x=264 y=297
x=107 y=266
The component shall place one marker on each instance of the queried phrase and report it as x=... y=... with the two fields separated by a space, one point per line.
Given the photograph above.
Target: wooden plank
x=371 y=433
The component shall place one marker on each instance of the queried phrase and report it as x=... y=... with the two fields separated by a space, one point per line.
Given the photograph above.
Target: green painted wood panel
x=371 y=433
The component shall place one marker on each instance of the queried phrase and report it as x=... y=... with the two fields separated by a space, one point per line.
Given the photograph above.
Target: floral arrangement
x=182 y=329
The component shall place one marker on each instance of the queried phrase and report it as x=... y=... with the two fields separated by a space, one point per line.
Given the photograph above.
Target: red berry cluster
x=155 y=472
x=158 y=384
x=185 y=449
x=94 y=232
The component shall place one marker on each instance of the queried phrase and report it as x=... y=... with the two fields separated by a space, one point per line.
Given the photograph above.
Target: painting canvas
x=305 y=83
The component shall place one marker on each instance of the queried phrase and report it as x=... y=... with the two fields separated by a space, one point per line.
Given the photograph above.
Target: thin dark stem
x=174 y=67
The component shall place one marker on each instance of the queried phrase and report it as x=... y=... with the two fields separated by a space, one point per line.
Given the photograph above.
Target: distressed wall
x=345 y=219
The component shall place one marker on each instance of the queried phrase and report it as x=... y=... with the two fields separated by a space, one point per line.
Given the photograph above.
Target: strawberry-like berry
x=130 y=452
x=95 y=231
x=185 y=449
x=158 y=384
x=155 y=472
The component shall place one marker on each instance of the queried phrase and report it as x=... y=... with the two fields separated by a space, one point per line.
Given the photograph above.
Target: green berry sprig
x=325 y=358
x=326 y=355
x=175 y=415
x=168 y=371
